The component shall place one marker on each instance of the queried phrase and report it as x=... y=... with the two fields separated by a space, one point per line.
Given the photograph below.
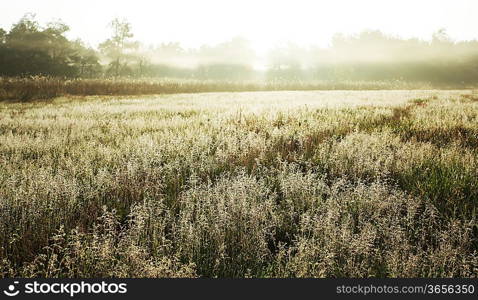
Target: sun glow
x=265 y=23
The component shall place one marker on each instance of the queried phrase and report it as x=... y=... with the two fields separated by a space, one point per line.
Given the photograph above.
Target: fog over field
x=432 y=42
x=239 y=139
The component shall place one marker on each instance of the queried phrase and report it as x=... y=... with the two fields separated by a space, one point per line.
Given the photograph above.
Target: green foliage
x=29 y=49
x=117 y=46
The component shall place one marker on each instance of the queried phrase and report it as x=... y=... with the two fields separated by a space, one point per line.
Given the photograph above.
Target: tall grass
x=43 y=88
x=263 y=184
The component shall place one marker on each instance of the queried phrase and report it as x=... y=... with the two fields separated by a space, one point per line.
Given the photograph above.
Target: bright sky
x=264 y=22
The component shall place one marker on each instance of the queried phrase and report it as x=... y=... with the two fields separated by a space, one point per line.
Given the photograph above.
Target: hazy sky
x=264 y=22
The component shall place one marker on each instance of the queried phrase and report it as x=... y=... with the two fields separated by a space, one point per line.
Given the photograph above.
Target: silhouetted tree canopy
x=29 y=49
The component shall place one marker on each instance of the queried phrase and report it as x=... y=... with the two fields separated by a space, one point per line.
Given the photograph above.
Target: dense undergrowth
x=44 y=88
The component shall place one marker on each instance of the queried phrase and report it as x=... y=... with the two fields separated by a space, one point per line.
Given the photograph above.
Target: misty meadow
x=130 y=158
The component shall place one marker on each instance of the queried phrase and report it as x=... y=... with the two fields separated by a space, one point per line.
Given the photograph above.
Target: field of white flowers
x=249 y=184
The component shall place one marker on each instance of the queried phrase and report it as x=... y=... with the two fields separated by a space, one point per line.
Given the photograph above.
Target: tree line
x=30 y=49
